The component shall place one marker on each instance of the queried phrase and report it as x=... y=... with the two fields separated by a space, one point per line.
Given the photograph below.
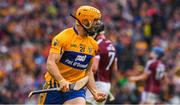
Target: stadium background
x=134 y=26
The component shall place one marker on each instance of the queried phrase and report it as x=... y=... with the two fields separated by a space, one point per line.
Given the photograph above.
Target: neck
x=101 y=36
x=81 y=32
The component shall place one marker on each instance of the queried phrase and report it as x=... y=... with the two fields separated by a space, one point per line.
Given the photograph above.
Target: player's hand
x=64 y=85
x=99 y=96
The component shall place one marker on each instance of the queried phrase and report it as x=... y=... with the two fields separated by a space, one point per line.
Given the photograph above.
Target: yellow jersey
x=76 y=54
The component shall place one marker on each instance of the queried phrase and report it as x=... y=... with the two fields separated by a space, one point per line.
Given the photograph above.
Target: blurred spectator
x=125 y=51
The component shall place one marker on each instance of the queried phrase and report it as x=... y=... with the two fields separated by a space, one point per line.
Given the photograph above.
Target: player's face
x=95 y=26
x=152 y=55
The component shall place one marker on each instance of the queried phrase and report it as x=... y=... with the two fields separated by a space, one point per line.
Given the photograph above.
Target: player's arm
x=52 y=68
x=99 y=96
x=115 y=68
x=53 y=59
x=165 y=79
x=142 y=76
x=91 y=83
x=95 y=63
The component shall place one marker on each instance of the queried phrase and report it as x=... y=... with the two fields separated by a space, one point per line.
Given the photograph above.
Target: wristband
x=61 y=80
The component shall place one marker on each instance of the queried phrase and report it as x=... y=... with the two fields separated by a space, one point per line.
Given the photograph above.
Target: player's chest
x=77 y=54
x=82 y=46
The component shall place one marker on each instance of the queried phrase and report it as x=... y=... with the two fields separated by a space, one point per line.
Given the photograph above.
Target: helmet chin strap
x=89 y=32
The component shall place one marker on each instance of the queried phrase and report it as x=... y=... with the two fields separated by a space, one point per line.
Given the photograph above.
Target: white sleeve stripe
x=99 y=41
x=148 y=64
x=97 y=56
x=161 y=66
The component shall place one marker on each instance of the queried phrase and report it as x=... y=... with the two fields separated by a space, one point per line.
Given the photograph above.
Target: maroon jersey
x=106 y=54
x=157 y=70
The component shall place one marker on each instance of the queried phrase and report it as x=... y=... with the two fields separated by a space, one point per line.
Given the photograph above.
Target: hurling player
x=70 y=59
x=153 y=75
x=104 y=64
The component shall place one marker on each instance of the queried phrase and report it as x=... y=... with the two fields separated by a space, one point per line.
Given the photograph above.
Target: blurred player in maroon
x=104 y=64
x=154 y=74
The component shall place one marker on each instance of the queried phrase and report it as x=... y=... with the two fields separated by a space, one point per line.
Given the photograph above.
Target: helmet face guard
x=90 y=28
x=101 y=30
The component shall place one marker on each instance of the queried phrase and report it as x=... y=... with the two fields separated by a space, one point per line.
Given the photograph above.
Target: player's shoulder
x=108 y=41
x=64 y=35
x=161 y=64
x=92 y=40
x=150 y=61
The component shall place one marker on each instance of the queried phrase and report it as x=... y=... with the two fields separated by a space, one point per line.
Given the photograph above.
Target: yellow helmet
x=87 y=15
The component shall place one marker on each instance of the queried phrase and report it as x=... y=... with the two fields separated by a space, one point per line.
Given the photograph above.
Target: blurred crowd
x=135 y=26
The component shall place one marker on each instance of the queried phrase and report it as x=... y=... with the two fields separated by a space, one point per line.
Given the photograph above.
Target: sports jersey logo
x=80 y=58
x=89 y=49
x=55 y=42
x=73 y=45
x=76 y=60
